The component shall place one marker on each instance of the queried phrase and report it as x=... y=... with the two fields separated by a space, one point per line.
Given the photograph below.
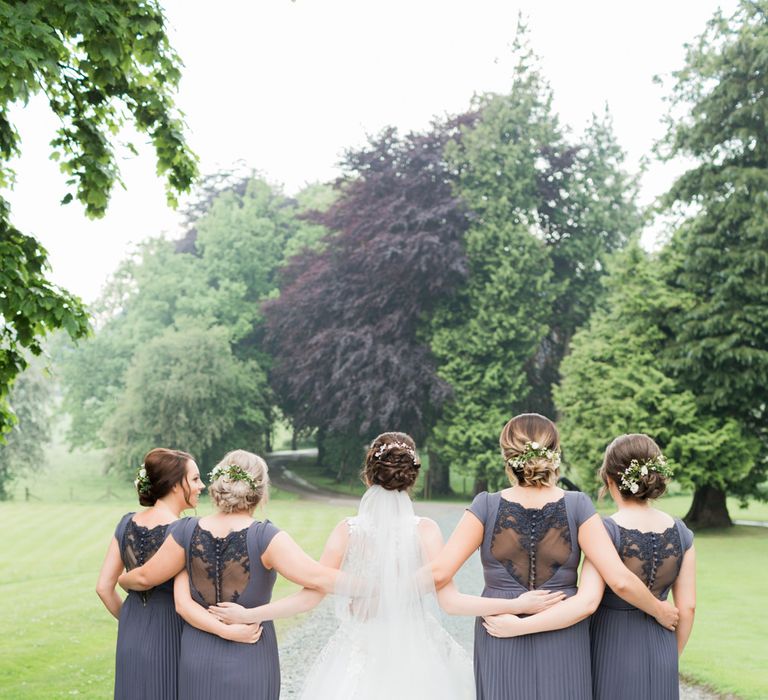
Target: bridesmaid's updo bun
x=392 y=462
x=162 y=470
x=530 y=446
x=644 y=484
x=239 y=482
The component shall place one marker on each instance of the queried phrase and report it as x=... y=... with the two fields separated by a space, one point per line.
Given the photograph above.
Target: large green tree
x=614 y=381
x=99 y=65
x=22 y=451
x=718 y=256
x=546 y=212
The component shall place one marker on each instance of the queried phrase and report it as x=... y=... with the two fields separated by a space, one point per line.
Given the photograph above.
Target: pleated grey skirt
x=547 y=666
x=148 y=643
x=212 y=668
x=633 y=657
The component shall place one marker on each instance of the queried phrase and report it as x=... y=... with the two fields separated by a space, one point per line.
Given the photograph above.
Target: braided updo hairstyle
x=516 y=434
x=391 y=462
x=165 y=468
x=618 y=456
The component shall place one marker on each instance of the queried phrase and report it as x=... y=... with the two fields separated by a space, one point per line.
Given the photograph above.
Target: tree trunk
x=294 y=440
x=708 y=509
x=481 y=484
x=439 y=476
x=320 y=447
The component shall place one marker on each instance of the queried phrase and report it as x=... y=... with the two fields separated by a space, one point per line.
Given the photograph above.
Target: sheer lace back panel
x=654 y=557
x=140 y=543
x=531 y=543
x=219 y=567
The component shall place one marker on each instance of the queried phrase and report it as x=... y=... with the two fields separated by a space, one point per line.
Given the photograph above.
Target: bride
x=389 y=643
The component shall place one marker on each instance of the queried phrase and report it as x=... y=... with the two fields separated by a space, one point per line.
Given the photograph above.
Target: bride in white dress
x=389 y=643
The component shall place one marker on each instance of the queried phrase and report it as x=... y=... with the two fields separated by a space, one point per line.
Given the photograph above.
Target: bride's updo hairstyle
x=239 y=482
x=637 y=483
x=530 y=446
x=391 y=462
x=161 y=471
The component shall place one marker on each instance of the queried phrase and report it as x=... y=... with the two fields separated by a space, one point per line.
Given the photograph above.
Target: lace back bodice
x=219 y=567
x=531 y=543
x=654 y=557
x=140 y=543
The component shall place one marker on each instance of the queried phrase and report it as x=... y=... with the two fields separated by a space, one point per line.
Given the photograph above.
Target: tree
x=98 y=65
x=614 y=382
x=718 y=257
x=347 y=331
x=186 y=389
x=23 y=448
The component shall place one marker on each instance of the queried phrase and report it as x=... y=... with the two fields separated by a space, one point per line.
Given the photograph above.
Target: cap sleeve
x=265 y=534
x=479 y=507
x=613 y=531
x=120 y=529
x=182 y=531
x=175 y=525
x=583 y=508
x=686 y=535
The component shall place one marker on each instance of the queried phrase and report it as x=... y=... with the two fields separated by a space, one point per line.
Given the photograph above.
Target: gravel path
x=301 y=644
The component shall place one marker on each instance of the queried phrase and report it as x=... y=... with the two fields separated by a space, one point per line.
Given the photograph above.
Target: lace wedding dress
x=389 y=644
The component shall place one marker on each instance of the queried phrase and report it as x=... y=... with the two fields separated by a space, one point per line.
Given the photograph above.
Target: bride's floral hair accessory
x=630 y=477
x=533 y=450
x=142 y=482
x=391 y=446
x=234 y=472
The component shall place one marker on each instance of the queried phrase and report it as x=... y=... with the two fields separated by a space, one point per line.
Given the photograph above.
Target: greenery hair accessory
x=630 y=477
x=533 y=450
x=141 y=482
x=234 y=472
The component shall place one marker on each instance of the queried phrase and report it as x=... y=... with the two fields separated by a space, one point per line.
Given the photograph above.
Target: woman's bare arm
x=453 y=602
x=110 y=572
x=197 y=616
x=164 y=565
x=300 y=602
x=567 y=613
x=684 y=593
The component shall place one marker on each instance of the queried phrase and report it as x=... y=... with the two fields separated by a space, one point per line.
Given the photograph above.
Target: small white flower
x=644 y=471
x=535 y=445
x=136 y=483
x=634 y=488
x=142 y=473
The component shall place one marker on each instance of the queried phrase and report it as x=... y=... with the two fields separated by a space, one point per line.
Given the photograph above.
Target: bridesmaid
x=229 y=557
x=149 y=630
x=659 y=549
x=530 y=537
x=626 y=643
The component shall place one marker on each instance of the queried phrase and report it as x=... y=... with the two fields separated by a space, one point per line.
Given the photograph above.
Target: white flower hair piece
x=533 y=450
x=234 y=472
x=142 y=482
x=630 y=477
x=391 y=445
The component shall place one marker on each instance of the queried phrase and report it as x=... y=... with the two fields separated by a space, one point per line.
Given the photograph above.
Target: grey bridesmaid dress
x=149 y=630
x=633 y=657
x=526 y=549
x=228 y=569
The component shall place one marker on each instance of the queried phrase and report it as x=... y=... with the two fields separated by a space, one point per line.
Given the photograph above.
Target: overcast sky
x=286 y=87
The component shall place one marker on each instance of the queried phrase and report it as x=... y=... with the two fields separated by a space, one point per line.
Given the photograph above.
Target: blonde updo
x=230 y=496
x=517 y=434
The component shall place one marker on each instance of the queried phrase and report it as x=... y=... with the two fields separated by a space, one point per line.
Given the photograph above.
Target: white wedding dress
x=389 y=644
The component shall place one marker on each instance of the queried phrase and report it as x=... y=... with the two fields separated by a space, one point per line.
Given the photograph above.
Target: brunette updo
x=165 y=468
x=618 y=456
x=231 y=496
x=516 y=434
x=392 y=462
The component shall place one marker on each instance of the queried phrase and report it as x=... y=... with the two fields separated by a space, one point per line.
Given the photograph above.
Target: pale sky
x=286 y=87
